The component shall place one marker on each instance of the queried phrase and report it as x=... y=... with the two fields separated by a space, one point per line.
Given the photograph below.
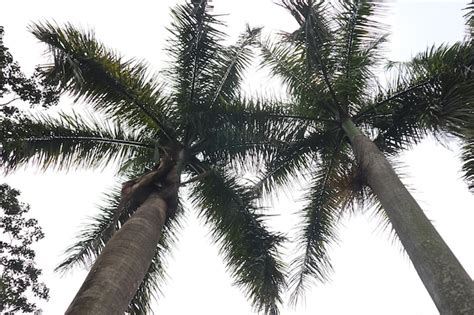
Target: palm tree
x=158 y=133
x=349 y=125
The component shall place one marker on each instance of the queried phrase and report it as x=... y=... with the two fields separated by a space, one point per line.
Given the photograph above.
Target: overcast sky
x=372 y=274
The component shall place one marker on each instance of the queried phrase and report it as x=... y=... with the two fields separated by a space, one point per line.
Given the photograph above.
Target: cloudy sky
x=372 y=274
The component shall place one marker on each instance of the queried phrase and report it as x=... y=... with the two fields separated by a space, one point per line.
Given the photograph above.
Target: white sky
x=372 y=274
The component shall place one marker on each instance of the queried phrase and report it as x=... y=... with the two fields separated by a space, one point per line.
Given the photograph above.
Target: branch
x=11 y=101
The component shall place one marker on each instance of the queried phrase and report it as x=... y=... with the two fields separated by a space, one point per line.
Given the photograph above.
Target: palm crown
x=146 y=121
x=329 y=66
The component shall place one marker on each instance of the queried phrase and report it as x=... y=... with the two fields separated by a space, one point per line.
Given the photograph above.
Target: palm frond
x=316 y=39
x=320 y=216
x=398 y=122
x=468 y=161
x=469 y=16
x=249 y=250
x=122 y=89
x=286 y=62
x=359 y=40
x=67 y=141
x=239 y=131
x=229 y=71
x=309 y=93
x=194 y=46
x=432 y=94
x=291 y=161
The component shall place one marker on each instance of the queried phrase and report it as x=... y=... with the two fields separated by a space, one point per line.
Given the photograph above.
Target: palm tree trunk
x=449 y=285
x=120 y=268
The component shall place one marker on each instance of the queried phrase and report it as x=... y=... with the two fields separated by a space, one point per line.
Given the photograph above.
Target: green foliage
x=198 y=113
x=68 y=141
x=14 y=83
x=84 y=67
x=247 y=246
x=19 y=276
x=468 y=158
x=329 y=66
x=469 y=16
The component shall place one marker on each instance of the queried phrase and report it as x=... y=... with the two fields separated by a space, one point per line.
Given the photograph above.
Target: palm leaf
x=193 y=46
x=359 y=39
x=292 y=161
x=432 y=94
x=287 y=61
x=238 y=132
x=468 y=160
x=66 y=142
x=315 y=38
x=470 y=21
x=229 y=71
x=249 y=250
x=122 y=89
x=320 y=216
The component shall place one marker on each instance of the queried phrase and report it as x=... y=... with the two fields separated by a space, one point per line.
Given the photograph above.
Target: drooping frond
x=319 y=219
x=122 y=89
x=292 y=160
x=432 y=94
x=193 y=46
x=229 y=71
x=249 y=250
x=66 y=142
x=95 y=234
x=359 y=38
x=468 y=160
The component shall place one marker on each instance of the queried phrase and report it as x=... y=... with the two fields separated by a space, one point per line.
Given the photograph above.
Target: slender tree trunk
x=449 y=285
x=120 y=268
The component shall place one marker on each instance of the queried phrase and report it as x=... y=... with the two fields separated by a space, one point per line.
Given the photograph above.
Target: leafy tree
x=19 y=275
x=14 y=83
x=157 y=134
x=350 y=124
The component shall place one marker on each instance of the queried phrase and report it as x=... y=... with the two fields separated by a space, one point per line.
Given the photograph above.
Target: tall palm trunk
x=449 y=285
x=119 y=270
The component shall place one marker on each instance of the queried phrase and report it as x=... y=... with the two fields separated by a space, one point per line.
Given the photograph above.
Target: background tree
x=19 y=275
x=15 y=84
x=329 y=67
x=156 y=134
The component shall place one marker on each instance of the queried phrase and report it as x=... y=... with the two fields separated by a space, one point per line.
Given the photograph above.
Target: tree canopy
x=19 y=275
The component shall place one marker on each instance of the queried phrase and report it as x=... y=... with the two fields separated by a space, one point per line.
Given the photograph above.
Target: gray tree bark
x=120 y=268
x=449 y=285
